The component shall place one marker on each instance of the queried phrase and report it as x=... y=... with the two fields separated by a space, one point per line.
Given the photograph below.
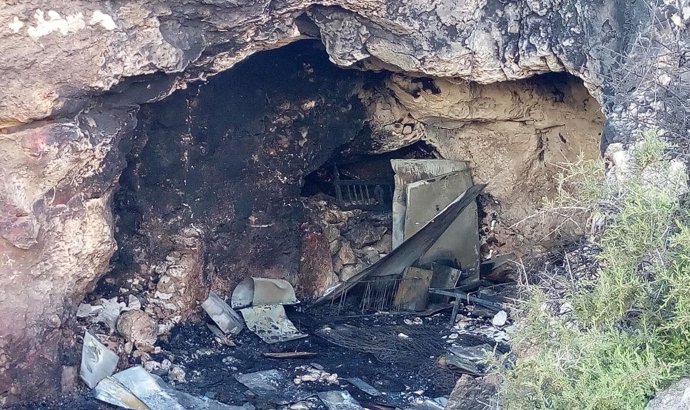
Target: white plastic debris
x=86 y=310
x=112 y=391
x=271 y=323
x=152 y=391
x=500 y=318
x=222 y=314
x=97 y=361
x=339 y=400
x=263 y=291
x=109 y=313
x=274 y=386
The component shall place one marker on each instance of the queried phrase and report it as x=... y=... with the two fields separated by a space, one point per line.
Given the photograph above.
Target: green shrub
x=629 y=333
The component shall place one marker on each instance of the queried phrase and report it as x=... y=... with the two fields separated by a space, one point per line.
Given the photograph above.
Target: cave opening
x=238 y=177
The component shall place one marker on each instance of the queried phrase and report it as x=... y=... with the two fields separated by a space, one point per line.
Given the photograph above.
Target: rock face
x=76 y=72
x=515 y=134
x=675 y=397
x=479 y=393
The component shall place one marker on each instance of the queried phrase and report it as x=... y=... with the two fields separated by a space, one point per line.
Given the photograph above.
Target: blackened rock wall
x=228 y=158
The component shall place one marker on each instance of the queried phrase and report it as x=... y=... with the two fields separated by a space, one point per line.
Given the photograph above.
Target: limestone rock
x=182 y=284
x=365 y=233
x=316 y=273
x=474 y=393
x=138 y=327
x=346 y=255
x=368 y=255
x=331 y=232
x=349 y=271
x=675 y=397
x=385 y=244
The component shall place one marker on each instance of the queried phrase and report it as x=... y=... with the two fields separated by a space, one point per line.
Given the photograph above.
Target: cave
x=218 y=173
x=236 y=177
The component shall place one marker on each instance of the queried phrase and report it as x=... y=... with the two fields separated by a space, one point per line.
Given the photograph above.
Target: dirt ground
x=210 y=368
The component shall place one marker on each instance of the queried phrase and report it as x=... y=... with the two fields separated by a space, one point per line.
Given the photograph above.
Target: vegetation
x=628 y=334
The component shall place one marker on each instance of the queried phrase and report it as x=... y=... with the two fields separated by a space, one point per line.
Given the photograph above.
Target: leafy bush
x=629 y=332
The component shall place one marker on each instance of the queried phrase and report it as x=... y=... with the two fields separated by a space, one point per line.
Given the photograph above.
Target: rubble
x=109 y=312
x=365 y=234
x=182 y=283
x=176 y=374
x=310 y=373
x=472 y=393
x=346 y=235
x=358 y=246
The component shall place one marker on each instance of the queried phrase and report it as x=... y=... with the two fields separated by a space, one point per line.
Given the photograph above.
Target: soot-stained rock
x=228 y=158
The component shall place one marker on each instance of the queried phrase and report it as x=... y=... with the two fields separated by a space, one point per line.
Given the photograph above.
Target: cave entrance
x=235 y=178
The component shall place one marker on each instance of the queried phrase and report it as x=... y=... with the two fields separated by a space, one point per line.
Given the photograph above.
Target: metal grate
x=375 y=294
x=371 y=195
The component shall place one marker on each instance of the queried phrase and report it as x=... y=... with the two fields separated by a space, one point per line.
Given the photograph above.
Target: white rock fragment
x=415 y=321
x=151 y=366
x=664 y=79
x=500 y=318
x=176 y=374
x=678 y=20
x=314 y=375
